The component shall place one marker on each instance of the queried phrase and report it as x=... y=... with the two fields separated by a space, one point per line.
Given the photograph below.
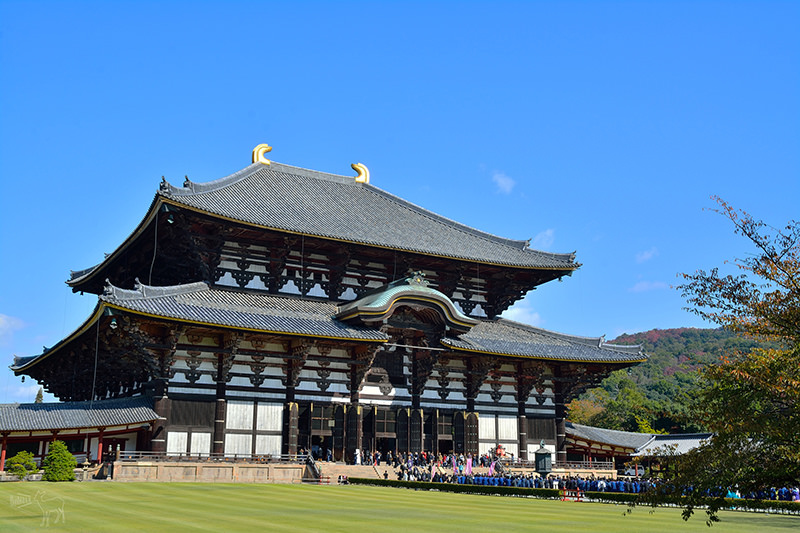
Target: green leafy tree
x=59 y=465
x=39 y=396
x=751 y=401
x=21 y=465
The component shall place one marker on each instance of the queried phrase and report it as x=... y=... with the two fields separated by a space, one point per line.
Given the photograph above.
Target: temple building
x=280 y=308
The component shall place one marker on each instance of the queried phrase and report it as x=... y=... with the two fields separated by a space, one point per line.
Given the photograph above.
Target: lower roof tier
x=200 y=305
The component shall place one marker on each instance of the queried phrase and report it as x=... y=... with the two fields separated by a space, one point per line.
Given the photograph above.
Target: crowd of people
x=458 y=469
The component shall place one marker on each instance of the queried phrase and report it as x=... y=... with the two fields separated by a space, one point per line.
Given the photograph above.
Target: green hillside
x=655 y=395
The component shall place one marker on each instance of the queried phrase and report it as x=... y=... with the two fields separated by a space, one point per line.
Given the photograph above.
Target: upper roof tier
x=306 y=202
x=315 y=203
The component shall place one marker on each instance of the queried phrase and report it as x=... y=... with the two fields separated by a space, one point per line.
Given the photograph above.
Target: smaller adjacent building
x=588 y=445
x=89 y=429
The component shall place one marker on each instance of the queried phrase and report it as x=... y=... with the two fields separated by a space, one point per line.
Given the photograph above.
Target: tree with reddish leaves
x=751 y=401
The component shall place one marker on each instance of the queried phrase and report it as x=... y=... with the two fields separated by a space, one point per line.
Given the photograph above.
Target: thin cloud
x=647 y=255
x=644 y=286
x=8 y=325
x=523 y=312
x=504 y=183
x=544 y=239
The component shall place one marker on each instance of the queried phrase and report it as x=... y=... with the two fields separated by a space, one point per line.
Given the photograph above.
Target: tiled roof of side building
x=72 y=415
x=197 y=303
x=304 y=201
x=674 y=444
x=623 y=439
x=505 y=337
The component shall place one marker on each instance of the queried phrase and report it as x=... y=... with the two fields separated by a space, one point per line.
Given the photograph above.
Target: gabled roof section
x=308 y=202
x=505 y=337
x=612 y=437
x=381 y=303
x=76 y=415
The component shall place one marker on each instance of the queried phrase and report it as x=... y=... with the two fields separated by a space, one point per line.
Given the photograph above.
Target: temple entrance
x=321 y=445
x=322 y=422
x=445 y=446
x=386 y=445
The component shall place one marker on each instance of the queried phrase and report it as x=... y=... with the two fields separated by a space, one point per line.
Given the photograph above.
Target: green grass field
x=177 y=507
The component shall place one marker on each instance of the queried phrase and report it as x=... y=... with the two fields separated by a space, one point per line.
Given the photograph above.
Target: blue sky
x=596 y=127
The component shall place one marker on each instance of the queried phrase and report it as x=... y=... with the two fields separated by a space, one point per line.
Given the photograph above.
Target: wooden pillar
x=354 y=431
x=561 y=423
x=355 y=414
x=100 y=445
x=339 y=432
x=291 y=427
x=220 y=409
x=415 y=385
x=162 y=405
x=434 y=434
x=522 y=428
x=3 y=447
x=415 y=428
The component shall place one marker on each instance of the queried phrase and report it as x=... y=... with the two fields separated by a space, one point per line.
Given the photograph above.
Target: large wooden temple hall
x=281 y=308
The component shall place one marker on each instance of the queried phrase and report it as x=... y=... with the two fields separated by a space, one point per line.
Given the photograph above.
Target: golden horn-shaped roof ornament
x=363 y=173
x=258 y=154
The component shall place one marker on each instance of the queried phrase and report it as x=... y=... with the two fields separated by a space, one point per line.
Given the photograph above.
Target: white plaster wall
x=511 y=448
x=486 y=428
x=176 y=442
x=507 y=427
x=200 y=442
x=268 y=444
x=270 y=417
x=239 y=415
x=238 y=444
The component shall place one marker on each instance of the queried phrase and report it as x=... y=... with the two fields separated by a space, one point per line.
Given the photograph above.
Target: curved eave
x=96 y=314
x=567 y=269
x=544 y=358
x=87 y=275
x=103 y=306
x=371 y=314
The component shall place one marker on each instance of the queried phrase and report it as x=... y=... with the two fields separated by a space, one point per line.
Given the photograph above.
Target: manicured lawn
x=178 y=507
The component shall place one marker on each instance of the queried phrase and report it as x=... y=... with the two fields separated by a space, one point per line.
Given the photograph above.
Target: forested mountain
x=654 y=396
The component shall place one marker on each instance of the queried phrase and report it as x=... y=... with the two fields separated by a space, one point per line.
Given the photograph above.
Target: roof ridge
x=627 y=348
x=589 y=341
x=576 y=425
x=146 y=292
x=192 y=188
x=599 y=342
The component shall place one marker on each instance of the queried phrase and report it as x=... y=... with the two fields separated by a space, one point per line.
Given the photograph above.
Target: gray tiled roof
x=678 y=444
x=196 y=302
x=315 y=203
x=71 y=415
x=623 y=439
x=512 y=338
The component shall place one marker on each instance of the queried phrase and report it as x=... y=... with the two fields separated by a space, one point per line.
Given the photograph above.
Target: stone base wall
x=164 y=471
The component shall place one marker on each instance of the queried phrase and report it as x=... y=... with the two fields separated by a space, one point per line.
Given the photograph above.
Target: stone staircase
x=332 y=471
